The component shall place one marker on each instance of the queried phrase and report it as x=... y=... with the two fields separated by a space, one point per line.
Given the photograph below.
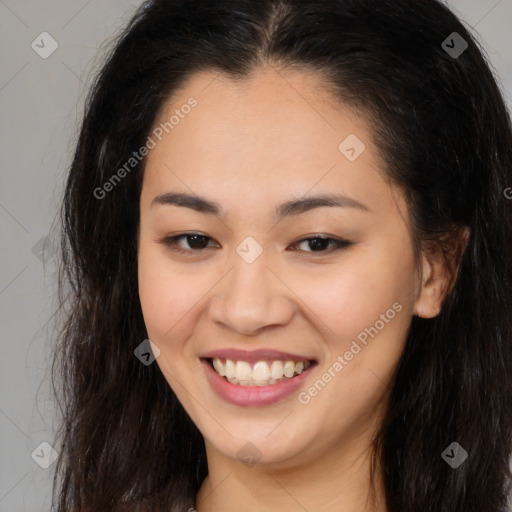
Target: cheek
x=353 y=295
x=165 y=295
x=364 y=304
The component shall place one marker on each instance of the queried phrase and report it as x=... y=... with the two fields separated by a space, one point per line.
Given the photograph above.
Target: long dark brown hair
x=442 y=127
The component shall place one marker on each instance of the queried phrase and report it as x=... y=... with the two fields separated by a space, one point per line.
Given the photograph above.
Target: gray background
x=41 y=101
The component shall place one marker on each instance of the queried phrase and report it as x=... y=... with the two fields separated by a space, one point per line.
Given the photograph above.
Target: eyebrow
x=286 y=209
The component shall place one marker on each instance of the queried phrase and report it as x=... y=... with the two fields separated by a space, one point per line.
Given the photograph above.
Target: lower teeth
x=258 y=383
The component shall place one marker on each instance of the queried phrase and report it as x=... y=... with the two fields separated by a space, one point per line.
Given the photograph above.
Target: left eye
x=197 y=242
x=320 y=243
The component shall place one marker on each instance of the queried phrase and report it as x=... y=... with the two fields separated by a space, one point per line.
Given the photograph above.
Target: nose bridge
x=250 y=297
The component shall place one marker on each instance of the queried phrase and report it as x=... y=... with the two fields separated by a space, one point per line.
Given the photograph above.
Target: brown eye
x=195 y=242
x=321 y=244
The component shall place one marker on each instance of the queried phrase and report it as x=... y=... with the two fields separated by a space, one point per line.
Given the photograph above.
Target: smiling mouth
x=259 y=373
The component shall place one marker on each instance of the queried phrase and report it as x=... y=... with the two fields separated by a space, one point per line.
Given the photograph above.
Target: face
x=266 y=279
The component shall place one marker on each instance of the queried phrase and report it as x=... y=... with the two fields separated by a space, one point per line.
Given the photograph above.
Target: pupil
x=198 y=242
x=194 y=242
x=321 y=243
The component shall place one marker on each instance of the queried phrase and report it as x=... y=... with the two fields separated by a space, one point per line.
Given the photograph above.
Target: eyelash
x=172 y=242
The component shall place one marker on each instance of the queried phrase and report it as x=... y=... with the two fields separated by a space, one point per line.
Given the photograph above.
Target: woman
x=302 y=205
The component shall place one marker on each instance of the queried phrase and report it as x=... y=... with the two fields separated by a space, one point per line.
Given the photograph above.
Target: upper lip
x=252 y=356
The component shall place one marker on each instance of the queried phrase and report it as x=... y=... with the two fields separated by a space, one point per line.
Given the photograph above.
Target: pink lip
x=246 y=396
x=255 y=355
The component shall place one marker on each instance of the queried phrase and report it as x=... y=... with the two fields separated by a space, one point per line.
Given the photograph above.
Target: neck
x=338 y=479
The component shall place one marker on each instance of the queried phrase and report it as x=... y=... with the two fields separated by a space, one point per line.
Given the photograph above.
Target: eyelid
x=338 y=243
x=172 y=241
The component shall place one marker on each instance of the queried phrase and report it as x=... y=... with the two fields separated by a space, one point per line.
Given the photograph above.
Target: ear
x=440 y=263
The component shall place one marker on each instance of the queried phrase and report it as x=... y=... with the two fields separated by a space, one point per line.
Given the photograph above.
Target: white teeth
x=261 y=371
x=243 y=371
x=230 y=368
x=289 y=369
x=240 y=372
x=277 y=371
x=219 y=367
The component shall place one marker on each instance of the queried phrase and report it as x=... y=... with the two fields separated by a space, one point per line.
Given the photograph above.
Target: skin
x=249 y=146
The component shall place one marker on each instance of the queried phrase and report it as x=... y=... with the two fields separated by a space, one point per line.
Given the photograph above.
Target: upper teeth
x=240 y=372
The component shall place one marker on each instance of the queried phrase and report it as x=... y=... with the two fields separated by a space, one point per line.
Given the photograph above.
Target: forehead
x=273 y=131
x=263 y=109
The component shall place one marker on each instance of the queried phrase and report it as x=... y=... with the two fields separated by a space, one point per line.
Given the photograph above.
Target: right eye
x=196 y=242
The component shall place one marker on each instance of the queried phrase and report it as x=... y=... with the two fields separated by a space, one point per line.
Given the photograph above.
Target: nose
x=251 y=298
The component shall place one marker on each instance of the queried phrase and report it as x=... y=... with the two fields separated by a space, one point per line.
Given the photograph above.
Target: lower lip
x=253 y=395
